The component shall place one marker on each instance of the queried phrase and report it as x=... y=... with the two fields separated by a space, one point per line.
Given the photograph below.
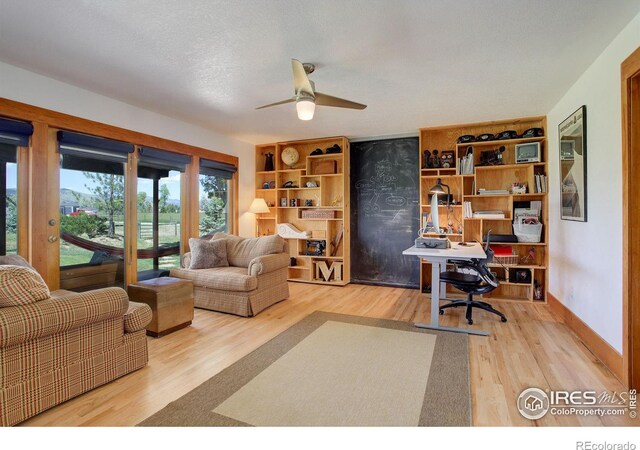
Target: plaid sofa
x=255 y=279
x=55 y=349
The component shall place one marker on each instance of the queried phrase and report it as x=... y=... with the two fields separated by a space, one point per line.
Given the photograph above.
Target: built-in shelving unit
x=327 y=191
x=518 y=281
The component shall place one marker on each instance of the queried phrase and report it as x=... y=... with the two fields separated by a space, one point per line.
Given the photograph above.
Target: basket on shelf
x=510 y=260
x=527 y=232
x=318 y=214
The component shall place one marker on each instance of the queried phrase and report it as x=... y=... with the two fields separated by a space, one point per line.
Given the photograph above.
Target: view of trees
x=12 y=214
x=108 y=190
x=214 y=205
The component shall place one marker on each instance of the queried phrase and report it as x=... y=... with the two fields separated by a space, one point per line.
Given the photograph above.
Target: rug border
x=451 y=407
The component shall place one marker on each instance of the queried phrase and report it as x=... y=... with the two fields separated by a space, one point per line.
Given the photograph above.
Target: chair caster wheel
x=503 y=319
x=470 y=322
x=442 y=312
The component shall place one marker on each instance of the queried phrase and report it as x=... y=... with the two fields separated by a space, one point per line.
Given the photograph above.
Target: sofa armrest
x=137 y=317
x=56 y=315
x=185 y=261
x=268 y=263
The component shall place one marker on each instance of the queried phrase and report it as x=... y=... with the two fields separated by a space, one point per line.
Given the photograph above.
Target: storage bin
x=511 y=260
x=528 y=232
x=318 y=214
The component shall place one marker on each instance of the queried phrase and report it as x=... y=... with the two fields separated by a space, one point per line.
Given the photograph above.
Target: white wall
x=27 y=87
x=586 y=258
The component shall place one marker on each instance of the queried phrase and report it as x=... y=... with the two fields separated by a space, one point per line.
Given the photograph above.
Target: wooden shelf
x=331 y=186
x=266 y=172
x=490 y=177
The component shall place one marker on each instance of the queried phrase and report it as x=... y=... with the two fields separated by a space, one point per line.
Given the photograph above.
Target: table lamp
x=258 y=206
x=439 y=189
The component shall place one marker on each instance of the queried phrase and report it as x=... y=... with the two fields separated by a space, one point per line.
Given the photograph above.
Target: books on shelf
x=541 y=183
x=467 y=212
x=488 y=214
x=493 y=191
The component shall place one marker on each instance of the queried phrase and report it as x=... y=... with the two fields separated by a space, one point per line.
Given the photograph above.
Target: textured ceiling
x=415 y=63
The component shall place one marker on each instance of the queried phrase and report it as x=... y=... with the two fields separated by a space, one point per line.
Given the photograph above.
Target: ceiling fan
x=306 y=96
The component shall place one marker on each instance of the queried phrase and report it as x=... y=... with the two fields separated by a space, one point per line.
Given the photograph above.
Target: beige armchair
x=66 y=344
x=255 y=279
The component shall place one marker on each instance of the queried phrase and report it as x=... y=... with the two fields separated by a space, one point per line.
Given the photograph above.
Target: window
x=13 y=135
x=215 y=208
x=92 y=205
x=159 y=210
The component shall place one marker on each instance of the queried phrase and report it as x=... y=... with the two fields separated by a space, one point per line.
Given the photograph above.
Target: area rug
x=336 y=370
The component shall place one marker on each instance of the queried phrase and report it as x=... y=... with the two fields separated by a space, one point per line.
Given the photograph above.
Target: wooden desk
x=438 y=259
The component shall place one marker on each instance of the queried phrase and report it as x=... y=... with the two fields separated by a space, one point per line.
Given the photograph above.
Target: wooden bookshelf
x=330 y=194
x=465 y=188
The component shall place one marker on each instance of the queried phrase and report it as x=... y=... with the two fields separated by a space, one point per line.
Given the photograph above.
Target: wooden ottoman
x=170 y=300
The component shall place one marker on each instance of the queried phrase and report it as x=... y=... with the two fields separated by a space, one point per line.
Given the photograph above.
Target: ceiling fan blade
x=301 y=81
x=328 y=100
x=289 y=100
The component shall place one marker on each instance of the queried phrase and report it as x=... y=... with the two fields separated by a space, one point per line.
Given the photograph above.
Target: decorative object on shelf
x=290 y=156
x=293 y=262
x=435 y=160
x=335 y=148
x=308 y=202
x=326 y=272
x=316 y=152
x=318 y=214
x=337 y=201
x=573 y=166
x=289 y=185
x=466 y=138
x=268 y=162
x=335 y=242
x=265 y=185
x=537 y=291
x=283 y=202
x=485 y=137
x=315 y=248
x=294 y=202
x=492 y=157
x=426 y=159
x=530 y=258
x=466 y=162
x=522 y=276
x=532 y=132
x=448 y=159
x=519 y=188
x=311 y=184
x=507 y=134
x=527 y=153
x=289 y=231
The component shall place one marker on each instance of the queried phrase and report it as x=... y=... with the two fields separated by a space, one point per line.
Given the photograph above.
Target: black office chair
x=479 y=281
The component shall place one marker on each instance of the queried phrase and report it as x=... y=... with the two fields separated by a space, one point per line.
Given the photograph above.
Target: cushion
x=14 y=260
x=241 y=251
x=221 y=278
x=21 y=286
x=207 y=254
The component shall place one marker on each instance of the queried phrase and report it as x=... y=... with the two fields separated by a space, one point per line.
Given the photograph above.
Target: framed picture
x=572 y=134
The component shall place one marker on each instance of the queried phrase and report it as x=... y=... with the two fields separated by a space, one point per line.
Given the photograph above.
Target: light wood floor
x=531 y=350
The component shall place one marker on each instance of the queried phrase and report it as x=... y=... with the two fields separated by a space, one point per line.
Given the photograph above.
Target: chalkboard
x=385 y=203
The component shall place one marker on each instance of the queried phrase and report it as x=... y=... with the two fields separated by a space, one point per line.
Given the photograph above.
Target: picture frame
x=572 y=145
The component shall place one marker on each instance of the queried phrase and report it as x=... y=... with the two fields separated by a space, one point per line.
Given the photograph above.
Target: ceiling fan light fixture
x=306 y=108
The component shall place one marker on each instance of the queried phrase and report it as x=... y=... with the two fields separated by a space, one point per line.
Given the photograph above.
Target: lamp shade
x=305 y=109
x=258 y=206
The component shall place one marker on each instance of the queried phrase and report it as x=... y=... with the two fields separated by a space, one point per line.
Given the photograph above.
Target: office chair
x=479 y=281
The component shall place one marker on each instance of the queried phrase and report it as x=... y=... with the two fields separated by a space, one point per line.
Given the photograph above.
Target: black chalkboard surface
x=385 y=200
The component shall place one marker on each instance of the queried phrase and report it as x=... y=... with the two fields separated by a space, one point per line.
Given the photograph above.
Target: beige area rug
x=336 y=370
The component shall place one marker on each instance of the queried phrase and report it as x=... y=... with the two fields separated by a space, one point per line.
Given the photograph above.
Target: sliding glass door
x=159 y=207
x=215 y=197
x=92 y=205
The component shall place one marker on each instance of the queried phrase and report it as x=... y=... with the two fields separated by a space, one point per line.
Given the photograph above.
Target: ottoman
x=170 y=300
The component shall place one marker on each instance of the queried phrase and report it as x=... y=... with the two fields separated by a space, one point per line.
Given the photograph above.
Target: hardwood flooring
x=531 y=350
